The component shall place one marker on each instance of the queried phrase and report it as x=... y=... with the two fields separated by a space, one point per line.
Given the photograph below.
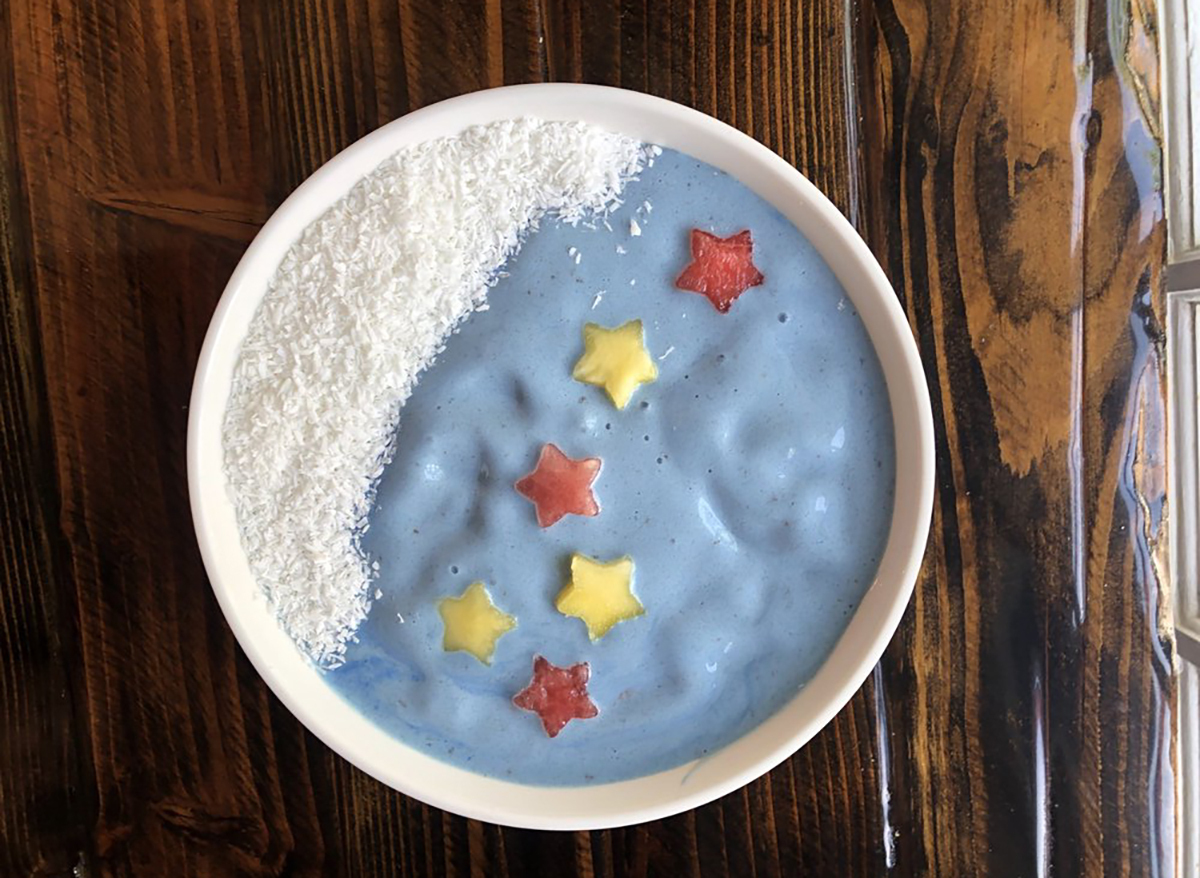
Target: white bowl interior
x=299 y=685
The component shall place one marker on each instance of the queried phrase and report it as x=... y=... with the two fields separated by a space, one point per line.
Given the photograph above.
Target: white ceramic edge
x=294 y=680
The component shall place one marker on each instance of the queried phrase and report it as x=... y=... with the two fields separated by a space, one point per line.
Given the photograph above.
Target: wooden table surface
x=1002 y=159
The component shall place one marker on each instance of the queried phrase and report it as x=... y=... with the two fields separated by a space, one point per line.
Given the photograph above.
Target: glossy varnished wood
x=1010 y=155
x=1001 y=160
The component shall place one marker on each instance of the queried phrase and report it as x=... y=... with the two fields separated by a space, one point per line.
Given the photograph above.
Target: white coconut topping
x=360 y=305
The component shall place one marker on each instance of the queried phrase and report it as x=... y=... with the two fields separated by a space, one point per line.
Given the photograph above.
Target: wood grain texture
x=44 y=806
x=1010 y=160
x=1001 y=160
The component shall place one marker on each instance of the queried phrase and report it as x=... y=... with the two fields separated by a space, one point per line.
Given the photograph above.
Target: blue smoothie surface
x=751 y=484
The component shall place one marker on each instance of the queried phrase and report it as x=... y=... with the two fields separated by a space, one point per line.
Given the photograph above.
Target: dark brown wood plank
x=1009 y=154
x=45 y=793
x=136 y=207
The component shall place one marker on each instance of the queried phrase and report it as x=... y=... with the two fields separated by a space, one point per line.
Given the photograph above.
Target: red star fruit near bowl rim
x=557 y=695
x=721 y=268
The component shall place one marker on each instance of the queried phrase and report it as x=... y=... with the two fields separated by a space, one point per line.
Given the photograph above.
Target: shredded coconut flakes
x=360 y=305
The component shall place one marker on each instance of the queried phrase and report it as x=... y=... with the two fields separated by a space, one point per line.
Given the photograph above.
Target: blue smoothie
x=751 y=484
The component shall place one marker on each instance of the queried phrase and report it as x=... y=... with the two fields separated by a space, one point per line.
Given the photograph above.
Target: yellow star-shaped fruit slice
x=599 y=593
x=615 y=359
x=473 y=623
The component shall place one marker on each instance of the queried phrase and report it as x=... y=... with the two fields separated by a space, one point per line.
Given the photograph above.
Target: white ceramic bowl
x=300 y=686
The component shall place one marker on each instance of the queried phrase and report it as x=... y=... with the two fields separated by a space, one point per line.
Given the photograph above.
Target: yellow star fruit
x=615 y=359
x=473 y=623
x=599 y=593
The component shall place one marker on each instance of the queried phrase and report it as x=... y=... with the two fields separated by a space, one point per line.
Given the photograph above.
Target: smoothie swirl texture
x=751 y=482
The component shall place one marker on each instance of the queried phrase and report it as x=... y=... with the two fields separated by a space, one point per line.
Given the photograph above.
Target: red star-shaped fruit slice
x=560 y=485
x=721 y=268
x=557 y=695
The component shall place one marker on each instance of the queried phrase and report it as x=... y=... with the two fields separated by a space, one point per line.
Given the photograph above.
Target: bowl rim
x=291 y=676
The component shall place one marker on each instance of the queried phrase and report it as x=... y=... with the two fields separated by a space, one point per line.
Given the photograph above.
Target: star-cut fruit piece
x=473 y=623
x=615 y=359
x=721 y=268
x=600 y=593
x=557 y=695
x=560 y=485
